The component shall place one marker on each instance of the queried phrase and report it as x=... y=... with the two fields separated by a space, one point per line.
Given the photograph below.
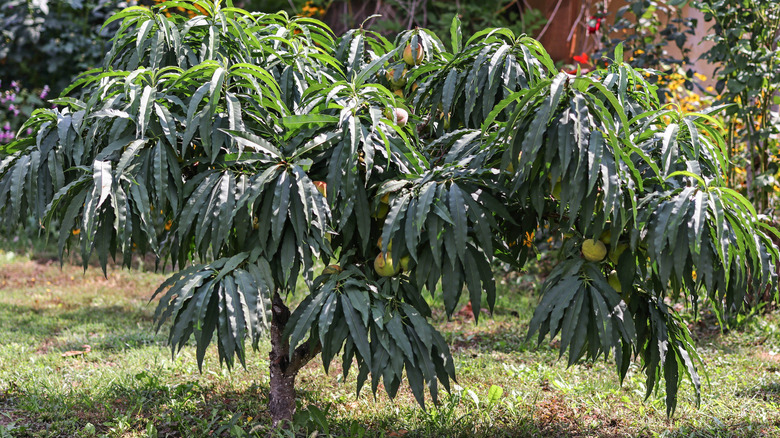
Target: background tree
x=51 y=42
x=647 y=29
x=745 y=46
x=399 y=15
x=207 y=140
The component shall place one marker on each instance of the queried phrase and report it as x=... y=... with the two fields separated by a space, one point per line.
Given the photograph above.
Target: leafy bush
x=16 y=106
x=745 y=47
x=398 y=15
x=244 y=147
x=646 y=29
x=50 y=42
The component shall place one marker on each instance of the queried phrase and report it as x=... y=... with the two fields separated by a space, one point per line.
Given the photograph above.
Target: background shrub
x=47 y=42
x=16 y=106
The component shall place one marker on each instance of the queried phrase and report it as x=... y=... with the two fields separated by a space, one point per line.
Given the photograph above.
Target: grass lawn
x=79 y=357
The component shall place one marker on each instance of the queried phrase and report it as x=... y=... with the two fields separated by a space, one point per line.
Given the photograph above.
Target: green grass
x=127 y=384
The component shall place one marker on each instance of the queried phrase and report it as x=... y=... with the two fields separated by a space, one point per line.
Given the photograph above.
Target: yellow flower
x=700 y=76
x=76 y=231
x=529 y=239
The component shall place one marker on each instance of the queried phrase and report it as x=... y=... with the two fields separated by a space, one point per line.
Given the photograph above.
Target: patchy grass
x=79 y=357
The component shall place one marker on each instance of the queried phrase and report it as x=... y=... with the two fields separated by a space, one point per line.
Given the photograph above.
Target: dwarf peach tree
x=241 y=148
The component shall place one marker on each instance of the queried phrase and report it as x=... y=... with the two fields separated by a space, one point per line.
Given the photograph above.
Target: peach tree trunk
x=284 y=367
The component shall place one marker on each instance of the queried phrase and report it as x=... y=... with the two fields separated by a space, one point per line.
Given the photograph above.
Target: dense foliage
x=745 y=48
x=647 y=28
x=398 y=15
x=47 y=42
x=243 y=147
x=16 y=106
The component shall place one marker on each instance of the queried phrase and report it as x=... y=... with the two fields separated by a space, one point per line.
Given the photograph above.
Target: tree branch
x=301 y=356
x=549 y=20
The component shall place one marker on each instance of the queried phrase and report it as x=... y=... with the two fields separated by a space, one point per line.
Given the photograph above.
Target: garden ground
x=79 y=357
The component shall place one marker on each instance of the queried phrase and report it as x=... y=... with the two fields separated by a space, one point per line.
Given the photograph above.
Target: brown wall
x=560 y=37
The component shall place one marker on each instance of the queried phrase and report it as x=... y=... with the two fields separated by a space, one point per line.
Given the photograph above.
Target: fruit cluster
x=397 y=76
x=383 y=263
x=598 y=250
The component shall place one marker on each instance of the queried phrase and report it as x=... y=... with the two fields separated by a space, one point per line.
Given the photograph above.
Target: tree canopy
x=206 y=141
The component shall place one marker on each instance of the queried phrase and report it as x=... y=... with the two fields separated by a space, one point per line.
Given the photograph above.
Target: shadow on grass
x=136 y=404
x=507 y=334
x=556 y=419
x=769 y=393
x=735 y=429
x=68 y=327
x=143 y=402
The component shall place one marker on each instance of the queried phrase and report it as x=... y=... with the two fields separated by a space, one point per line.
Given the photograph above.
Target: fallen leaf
x=71 y=353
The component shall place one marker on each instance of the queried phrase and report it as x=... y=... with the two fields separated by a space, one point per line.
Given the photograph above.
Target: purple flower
x=29 y=131
x=15 y=85
x=7 y=126
x=45 y=91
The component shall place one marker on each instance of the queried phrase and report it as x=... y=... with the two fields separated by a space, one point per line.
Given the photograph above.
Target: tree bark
x=283 y=366
x=282 y=403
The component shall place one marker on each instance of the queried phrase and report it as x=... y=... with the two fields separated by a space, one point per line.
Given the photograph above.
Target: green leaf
x=308 y=314
x=357 y=330
x=455 y=34
x=395 y=328
x=280 y=205
x=297 y=121
x=494 y=394
x=19 y=172
x=253 y=142
x=458 y=212
x=371 y=68
x=448 y=92
x=327 y=315
x=619 y=51
x=103 y=181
